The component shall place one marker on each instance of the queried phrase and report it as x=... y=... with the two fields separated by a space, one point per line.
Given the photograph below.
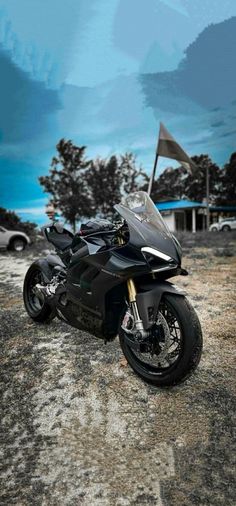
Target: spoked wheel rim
x=34 y=301
x=167 y=347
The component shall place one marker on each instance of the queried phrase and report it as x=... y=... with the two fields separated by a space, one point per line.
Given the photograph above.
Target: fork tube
x=131 y=290
x=132 y=299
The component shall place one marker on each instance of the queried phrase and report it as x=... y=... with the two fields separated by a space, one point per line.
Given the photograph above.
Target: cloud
x=218 y=124
x=113 y=112
x=36 y=211
x=199 y=96
x=25 y=105
x=176 y=5
x=40 y=36
x=229 y=134
x=206 y=76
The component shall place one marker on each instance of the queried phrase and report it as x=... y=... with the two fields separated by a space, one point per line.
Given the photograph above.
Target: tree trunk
x=73 y=223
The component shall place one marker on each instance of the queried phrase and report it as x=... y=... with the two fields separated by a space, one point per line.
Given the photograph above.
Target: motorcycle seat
x=60 y=237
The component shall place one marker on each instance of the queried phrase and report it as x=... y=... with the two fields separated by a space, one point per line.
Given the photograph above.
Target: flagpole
x=153 y=174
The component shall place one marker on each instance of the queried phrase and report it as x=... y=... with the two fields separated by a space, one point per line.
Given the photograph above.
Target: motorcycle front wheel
x=175 y=344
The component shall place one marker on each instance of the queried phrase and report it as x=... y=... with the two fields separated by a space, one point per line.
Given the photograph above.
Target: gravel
x=79 y=428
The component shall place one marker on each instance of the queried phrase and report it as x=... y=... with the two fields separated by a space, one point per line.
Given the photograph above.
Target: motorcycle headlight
x=156 y=253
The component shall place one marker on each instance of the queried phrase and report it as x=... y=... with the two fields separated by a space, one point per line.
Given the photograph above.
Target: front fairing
x=147 y=227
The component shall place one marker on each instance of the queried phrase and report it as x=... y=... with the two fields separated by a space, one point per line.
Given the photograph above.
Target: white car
x=225 y=225
x=13 y=239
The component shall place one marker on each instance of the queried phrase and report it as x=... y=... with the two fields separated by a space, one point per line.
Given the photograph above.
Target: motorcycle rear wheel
x=178 y=353
x=36 y=309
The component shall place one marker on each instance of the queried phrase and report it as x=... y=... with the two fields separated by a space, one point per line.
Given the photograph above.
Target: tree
x=103 y=180
x=131 y=176
x=180 y=183
x=109 y=180
x=11 y=221
x=67 y=182
x=228 y=196
x=195 y=184
x=169 y=185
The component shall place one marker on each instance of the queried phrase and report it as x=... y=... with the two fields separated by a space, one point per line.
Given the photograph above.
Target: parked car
x=225 y=225
x=13 y=239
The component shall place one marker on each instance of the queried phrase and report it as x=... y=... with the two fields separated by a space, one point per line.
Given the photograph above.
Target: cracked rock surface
x=79 y=428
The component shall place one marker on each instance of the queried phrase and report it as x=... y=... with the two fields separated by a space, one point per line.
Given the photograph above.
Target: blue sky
x=105 y=73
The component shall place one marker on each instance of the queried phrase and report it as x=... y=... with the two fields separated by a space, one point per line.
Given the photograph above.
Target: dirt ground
x=79 y=428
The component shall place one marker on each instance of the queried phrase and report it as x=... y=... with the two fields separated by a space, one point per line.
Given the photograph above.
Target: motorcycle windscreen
x=146 y=225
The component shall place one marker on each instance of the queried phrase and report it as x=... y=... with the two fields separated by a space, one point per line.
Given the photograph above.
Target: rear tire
x=189 y=346
x=37 y=310
x=226 y=228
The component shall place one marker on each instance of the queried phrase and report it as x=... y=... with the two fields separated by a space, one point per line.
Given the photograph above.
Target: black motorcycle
x=111 y=279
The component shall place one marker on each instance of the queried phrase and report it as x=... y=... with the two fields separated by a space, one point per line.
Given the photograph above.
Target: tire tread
x=193 y=343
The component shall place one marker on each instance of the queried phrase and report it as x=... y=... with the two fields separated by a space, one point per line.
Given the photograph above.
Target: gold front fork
x=131 y=290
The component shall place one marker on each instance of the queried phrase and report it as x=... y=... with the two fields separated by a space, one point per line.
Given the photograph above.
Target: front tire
x=18 y=244
x=184 y=338
x=37 y=310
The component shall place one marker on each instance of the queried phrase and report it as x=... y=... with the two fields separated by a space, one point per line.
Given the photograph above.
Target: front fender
x=149 y=299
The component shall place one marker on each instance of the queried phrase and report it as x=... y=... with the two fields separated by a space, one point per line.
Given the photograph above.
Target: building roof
x=172 y=205
x=178 y=204
x=223 y=208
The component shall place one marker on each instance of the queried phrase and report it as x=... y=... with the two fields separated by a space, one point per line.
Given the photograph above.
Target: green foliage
x=103 y=180
x=196 y=181
x=169 y=185
x=109 y=180
x=180 y=183
x=83 y=188
x=228 y=196
x=67 y=184
x=11 y=221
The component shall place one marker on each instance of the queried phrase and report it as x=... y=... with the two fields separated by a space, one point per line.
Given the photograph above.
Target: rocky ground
x=79 y=428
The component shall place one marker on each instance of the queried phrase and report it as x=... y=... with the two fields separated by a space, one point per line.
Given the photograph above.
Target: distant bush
x=10 y=220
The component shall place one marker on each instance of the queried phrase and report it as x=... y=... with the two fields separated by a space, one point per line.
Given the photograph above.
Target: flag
x=169 y=148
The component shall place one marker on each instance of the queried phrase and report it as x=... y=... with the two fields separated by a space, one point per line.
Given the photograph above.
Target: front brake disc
x=165 y=345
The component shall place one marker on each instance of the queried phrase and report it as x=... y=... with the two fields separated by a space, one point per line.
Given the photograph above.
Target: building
x=188 y=215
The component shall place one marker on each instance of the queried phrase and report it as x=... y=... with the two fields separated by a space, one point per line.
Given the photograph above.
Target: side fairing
x=91 y=278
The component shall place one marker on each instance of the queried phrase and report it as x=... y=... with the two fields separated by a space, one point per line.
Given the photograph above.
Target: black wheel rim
x=33 y=300
x=170 y=350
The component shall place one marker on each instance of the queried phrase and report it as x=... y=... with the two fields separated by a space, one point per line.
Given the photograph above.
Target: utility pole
x=207 y=198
